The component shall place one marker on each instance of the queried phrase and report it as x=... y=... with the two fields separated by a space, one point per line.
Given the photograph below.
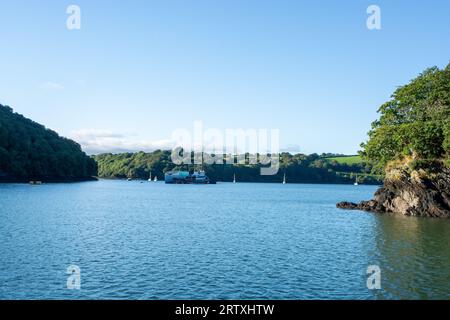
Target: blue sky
x=137 y=70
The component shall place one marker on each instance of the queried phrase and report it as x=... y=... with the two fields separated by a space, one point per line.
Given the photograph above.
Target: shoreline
x=46 y=180
x=256 y=182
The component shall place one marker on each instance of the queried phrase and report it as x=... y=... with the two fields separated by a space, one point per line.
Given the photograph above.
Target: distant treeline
x=299 y=168
x=29 y=151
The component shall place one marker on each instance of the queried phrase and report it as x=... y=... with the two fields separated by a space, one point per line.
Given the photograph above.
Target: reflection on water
x=413 y=254
x=227 y=241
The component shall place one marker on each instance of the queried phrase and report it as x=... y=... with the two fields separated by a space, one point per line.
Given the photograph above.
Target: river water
x=134 y=240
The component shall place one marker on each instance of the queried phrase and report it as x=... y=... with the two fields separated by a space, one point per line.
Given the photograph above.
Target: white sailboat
x=150 y=179
x=234 y=178
x=156 y=179
x=284 y=178
x=356 y=180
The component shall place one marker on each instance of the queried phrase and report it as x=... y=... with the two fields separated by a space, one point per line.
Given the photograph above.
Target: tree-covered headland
x=414 y=125
x=410 y=144
x=29 y=151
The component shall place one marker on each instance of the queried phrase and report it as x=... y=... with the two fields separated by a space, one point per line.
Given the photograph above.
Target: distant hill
x=29 y=151
x=299 y=168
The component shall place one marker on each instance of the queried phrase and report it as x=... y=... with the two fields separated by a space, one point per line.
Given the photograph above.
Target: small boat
x=356 y=180
x=156 y=179
x=184 y=177
x=234 y=178
x=129 y=179
x=176 y=177
x=199 y=177
x=35 y=182
x=150 y=179
x=284 y=179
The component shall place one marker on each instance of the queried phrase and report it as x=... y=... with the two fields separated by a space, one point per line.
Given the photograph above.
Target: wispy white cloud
x=49 y=85
x=95 y=141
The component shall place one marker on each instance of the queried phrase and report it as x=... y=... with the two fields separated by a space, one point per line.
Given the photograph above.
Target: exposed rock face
x=413 y=194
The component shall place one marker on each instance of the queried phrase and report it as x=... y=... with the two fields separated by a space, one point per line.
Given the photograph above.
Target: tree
x=29 y=151
x=414 y=123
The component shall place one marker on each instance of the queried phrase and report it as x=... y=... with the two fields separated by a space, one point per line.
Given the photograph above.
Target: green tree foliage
x=298 y=168
x=29 y=151
x=134 y=165
x=415 y=122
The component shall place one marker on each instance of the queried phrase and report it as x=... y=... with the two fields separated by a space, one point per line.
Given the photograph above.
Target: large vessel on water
x=184 y=177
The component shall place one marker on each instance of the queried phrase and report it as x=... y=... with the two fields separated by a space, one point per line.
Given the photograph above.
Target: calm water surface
x=227 y=241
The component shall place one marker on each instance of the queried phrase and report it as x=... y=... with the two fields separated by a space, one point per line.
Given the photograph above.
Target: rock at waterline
x=411 y=193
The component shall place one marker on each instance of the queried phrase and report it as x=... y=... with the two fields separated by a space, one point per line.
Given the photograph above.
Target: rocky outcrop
x=411 y=193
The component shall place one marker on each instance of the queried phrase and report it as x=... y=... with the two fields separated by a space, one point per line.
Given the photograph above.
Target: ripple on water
x=227 y=241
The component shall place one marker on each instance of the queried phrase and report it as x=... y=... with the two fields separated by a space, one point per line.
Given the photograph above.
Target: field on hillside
x=346 y=159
